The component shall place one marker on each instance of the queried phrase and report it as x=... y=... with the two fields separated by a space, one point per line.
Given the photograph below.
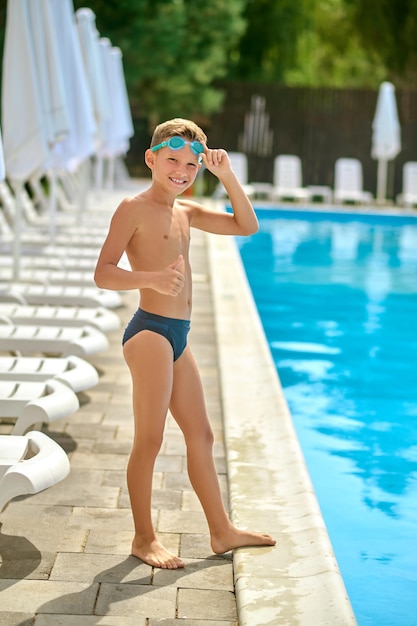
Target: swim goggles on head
x=176 y=143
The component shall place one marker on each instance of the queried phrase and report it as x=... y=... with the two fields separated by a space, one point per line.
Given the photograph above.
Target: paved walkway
x=65 y=551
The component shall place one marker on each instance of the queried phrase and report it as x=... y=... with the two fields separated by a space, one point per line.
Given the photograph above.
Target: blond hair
x=177 y=127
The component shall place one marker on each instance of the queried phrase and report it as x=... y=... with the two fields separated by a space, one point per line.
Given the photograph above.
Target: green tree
x=387 y=30
x=306 y=43
x=330 y=52
x=173 y=50
x=268 y=47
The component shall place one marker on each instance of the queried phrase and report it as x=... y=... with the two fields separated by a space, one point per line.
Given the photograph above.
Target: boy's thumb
x=176 y=263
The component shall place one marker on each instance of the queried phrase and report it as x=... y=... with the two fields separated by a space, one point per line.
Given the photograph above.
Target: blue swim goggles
x=176 y=143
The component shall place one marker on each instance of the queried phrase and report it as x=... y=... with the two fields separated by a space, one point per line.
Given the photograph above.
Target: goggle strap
x=196 y=146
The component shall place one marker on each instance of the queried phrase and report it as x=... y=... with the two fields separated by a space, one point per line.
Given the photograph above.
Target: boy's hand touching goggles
x=176 y=143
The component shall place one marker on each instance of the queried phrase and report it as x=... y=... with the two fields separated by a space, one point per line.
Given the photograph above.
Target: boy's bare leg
x=150 y=360
x=189 y=410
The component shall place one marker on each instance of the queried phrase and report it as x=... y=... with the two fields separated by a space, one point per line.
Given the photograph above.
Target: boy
x=154 y=230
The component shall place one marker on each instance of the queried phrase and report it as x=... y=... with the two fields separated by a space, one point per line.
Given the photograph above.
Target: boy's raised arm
x=243 y=220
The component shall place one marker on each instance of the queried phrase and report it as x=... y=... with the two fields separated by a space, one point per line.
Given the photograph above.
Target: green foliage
x=173 y=51
x=387 y=29
x=330 y=52
x=268 y=48
x=306 y=43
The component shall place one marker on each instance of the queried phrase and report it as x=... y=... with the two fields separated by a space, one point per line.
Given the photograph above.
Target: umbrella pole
x=382 y=180
x=110 y=173
x=84 y=175
x=17 y=187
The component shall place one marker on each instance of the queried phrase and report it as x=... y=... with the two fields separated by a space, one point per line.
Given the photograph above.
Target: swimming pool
x=337 y=296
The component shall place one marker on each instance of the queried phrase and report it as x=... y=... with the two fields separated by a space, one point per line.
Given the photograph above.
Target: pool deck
x=65 y=552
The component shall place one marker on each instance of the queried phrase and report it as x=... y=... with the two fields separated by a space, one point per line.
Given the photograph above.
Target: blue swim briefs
x=173 y=329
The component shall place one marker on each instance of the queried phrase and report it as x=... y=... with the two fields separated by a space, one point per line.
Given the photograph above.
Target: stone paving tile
x=102 y=519
x=19 y=539
x=206 y=573
x=80 y=488
x=190 y=502
x=187 y=521
x=114 y=542
x=206 y=604
x=100 y=461
x=89 y=620
x=100 y=568
x=115 y=478
x=37 y=565
x=168 y=500
x=169 y=463
x=189 y=622
x=119 y=445
x=197 y=546
x=89 y=430
x=41 y=596
x=7 y=618
x=142 y=600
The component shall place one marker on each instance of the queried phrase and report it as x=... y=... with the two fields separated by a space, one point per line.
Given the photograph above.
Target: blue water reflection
x=337 y=296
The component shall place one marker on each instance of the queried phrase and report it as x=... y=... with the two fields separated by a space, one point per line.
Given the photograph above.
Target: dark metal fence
x=319 y=125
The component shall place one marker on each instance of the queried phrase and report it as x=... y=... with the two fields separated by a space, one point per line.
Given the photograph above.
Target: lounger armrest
x=8 y=295
x=106 y=320
x=59 y=401
x=48 y=466
x=296 y=193
x=93 y=341
x=79 y=375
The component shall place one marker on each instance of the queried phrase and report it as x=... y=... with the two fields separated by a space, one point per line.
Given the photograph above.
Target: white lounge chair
x=73 y=371
x=59 y=295
x=99 y=317
x=54 y=258
x=63 y=340
x=40 y=244
x=50 y=277
x=49 y=261
x=29 y=464
x=33 y=234
x=30 y=403
x=348 y=182
x=408 y=197
x=239 y=163
x=288 y=184
x=68 y=214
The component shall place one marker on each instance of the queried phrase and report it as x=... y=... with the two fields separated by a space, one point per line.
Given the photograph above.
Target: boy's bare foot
x=156 y=555
x=235 y=538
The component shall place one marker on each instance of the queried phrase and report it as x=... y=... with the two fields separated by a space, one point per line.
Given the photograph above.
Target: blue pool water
x=337 y=296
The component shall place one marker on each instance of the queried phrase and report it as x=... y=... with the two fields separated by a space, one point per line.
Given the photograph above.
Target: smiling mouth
x=178 y=181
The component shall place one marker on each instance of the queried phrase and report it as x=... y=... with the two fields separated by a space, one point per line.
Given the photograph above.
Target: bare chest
x=159 y=239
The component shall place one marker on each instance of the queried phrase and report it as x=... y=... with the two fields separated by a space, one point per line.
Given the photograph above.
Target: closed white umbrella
x=122 y=106
x=48 y=121
x=121 y=128
x=78 y=145
x=386 y=135
x=96 y=77
x=34 y=113
x=94 y=69
x=25 y=140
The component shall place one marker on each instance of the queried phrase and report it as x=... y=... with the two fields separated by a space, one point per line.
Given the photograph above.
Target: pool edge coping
x=298 y=581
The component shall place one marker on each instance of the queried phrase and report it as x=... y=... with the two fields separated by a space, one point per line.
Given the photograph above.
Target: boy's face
x=177 y=167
